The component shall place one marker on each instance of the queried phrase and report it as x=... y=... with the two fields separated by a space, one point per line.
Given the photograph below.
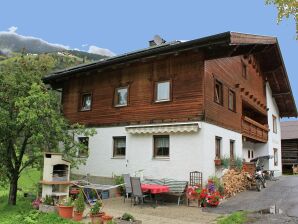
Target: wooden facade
x=185 y=73
x=193 y=69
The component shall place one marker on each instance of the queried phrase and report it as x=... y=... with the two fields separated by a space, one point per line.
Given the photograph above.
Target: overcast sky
x=122 y=26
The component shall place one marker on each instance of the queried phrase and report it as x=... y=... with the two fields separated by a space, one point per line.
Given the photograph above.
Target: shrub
x=238 y=163
x=48 y=200
x=225 y=162
x=119 y=180
x=95 y=209
x=80 y=203
x=128 y=217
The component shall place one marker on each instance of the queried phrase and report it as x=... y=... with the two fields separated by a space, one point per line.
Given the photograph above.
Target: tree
x=30 y=119
x=286 y=8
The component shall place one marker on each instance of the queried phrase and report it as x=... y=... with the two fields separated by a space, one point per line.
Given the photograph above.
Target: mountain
x=14 y=43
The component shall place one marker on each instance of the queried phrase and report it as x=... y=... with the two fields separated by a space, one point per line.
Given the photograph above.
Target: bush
x=80 y=203
x=128 y=217
x=48 y=200
x=238 y=163
x=95 y=209
x=225 y=162
x=119 y=180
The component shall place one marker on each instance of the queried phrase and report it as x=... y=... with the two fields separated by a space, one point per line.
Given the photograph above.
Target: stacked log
x=235 y=182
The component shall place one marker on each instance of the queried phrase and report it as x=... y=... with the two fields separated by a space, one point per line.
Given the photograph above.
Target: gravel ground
x=162 y=214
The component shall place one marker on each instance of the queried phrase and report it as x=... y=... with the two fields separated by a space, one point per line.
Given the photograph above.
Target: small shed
x=289 y=145
x=56 y=175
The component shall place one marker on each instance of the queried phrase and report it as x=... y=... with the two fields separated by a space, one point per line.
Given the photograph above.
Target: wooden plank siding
x=185 y=71
x=250 y=90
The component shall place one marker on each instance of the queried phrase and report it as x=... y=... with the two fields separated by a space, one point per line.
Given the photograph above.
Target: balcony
x=254 y=130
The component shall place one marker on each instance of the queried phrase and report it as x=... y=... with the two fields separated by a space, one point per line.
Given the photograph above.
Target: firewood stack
x=235 y=182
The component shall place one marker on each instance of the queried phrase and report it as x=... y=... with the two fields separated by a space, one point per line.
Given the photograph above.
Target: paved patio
x=165 y=214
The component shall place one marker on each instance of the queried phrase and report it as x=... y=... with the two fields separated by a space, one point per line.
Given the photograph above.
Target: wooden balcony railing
x=254 y=130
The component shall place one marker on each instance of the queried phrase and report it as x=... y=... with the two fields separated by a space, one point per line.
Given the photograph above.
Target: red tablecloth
x=154 y=188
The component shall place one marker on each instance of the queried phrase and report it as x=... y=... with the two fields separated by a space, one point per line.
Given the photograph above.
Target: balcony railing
x=254 y=130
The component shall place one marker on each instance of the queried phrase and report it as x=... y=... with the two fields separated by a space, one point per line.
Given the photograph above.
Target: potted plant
x=47 y=205
x=65 y=208
x=217 y=161
x=79 y=206
x=118 y=181
x=127 y=218
x=213 y=199
x=225 y=162
x=95 y=212
x=106 y=218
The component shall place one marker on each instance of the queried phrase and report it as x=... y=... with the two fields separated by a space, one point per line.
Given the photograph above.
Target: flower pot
x=77 y=216
x=96 y=219
x=217 y=162
x=65 y=211
x=106 y=218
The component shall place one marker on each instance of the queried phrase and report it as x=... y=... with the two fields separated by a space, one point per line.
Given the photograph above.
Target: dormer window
x=162 y=91
x=86 y=101
x=121 y=94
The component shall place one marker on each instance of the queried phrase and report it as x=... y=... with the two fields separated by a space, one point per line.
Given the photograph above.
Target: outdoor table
x=154 y=188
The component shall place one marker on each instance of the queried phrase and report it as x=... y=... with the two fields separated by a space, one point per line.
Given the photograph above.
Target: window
x=252 y=154
x=161 y=146
x=232 y=100
x=232 y=143
x=275 y=157
x=119 y=147
x=162 y=91
x=121 y=96
x=218 y=93
x=248 y=154
x=274 y=124
x=244 y=70
x=86 y=101
x=217 y=147
x=84 y=148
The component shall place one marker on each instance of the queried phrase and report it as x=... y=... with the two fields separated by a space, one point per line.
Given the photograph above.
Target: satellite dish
x=158 y=40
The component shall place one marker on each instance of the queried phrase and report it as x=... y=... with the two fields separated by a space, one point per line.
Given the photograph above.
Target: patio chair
x=137 y=190
x=128 y=189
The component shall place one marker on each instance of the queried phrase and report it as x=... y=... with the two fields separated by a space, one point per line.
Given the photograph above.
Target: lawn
x=234 y=218
x=23 y=211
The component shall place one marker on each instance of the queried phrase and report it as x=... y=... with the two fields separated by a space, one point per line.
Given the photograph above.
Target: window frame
x=155 y=94
x=116 y=96
x=234 y=100
x=115 y=139
x=155 y=156
x=218 y=143
x=275 y=156
x=274 y=124
x=87 y=146
x=232 y=149
x=81 y=101
x=221 y=100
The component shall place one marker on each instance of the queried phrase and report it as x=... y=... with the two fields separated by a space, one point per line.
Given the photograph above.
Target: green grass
x=23 y=211
x=234 y=218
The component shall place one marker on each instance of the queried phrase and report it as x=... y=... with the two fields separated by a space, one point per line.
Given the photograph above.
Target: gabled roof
x=289 y=130
x=227 y=44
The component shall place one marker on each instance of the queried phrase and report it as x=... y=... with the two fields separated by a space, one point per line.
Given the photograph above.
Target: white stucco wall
x=188 y=152
x=274 y=139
